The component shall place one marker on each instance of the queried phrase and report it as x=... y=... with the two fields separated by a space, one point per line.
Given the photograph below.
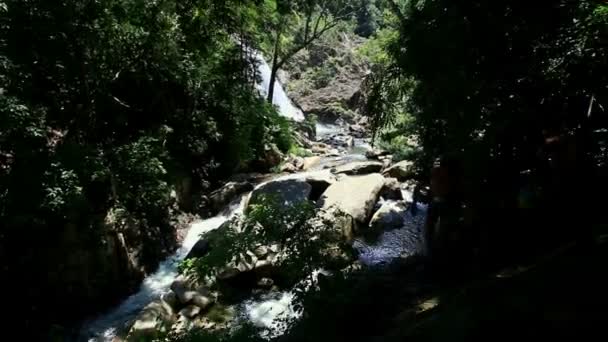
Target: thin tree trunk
x=275 y=67
x=273 y=79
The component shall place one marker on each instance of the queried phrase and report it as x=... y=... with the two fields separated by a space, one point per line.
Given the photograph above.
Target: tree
x=486 y=78
x=297 y=24
x=103 y=112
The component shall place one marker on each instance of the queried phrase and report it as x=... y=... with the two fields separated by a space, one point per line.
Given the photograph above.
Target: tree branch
x=307 y=28
x=316 y=33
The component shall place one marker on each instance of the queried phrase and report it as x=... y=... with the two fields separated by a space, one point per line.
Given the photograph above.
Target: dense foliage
x=493 y=83
x=487 y=78
x=108 y=106
x=304 y=242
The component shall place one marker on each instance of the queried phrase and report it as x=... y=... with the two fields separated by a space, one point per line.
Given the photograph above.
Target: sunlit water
x=280 y=98
x=268 y=311
x=326 y=130
x=106 y=327
x=394 y=244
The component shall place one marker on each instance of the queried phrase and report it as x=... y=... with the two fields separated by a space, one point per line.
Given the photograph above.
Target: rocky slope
x=325 y=79
x=354 y=198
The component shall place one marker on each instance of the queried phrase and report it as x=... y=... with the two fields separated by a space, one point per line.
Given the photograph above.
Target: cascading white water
x=107 y=326
x=280 y=98
x=272 y=308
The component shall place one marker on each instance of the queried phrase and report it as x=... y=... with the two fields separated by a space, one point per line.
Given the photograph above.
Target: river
x=266 y=311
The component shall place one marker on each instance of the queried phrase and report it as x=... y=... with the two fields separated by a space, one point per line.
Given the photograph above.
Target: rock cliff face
x=325 y=80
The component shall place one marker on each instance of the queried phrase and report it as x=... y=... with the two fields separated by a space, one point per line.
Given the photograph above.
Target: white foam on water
x=279 y=98
x=270 y=312
x=106 y=327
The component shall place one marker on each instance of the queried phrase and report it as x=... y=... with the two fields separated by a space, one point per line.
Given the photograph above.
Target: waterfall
x=107 y=326
x=280 y=98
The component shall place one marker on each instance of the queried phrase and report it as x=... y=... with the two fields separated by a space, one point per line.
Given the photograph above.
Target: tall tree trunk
x=273 y=79
x=274 y=67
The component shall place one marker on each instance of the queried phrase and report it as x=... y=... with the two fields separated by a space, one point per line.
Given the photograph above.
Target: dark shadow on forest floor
x=562 y=293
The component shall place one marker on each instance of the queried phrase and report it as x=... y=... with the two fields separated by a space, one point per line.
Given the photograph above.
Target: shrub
x=268 y=222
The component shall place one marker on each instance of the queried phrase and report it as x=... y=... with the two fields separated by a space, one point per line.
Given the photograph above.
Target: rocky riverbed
x=337 y=176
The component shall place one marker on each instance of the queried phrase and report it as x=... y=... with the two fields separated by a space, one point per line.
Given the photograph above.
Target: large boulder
x=320 y=148
x=355 y=196
x=190 y=311
x=156 y=318
x=286 y=192
x=222 y=196
x=250 y=268
x=357 y=130
x=311 y=162
x=319 y=181
x=391 y=190
x=358 y=168
x=403 y=170
x=342 y=222
x=341 y=140
x=391 y=215
x=199 y=250
x=183 y=289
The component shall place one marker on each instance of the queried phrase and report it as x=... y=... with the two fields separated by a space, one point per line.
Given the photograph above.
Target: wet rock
x=376 y=154
x=155 y=318
x=355 y=196
x=190 y=311
x=340 y=141
x=391 y=215
x=363 y=121
x=292 y=164
x=264 y=267
x=320 y=148
x=265 y=283
x=387 y=161
x=222 y=196
x=391 y=190
x=199 y=250
x=288 y=168
x=333 y=153
x=336 y=257
x=182 y=325
x=180 y=287
x=202 y=301
x=183 y=289
x=298 y=162
x=349 y=141
x=170 y=299
x=311 y=162
x=245 y=274
x=403 y=170
x=286 y=192
x=357 y=130
x=358 y=168
x=304 y=134
x=319 y=181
